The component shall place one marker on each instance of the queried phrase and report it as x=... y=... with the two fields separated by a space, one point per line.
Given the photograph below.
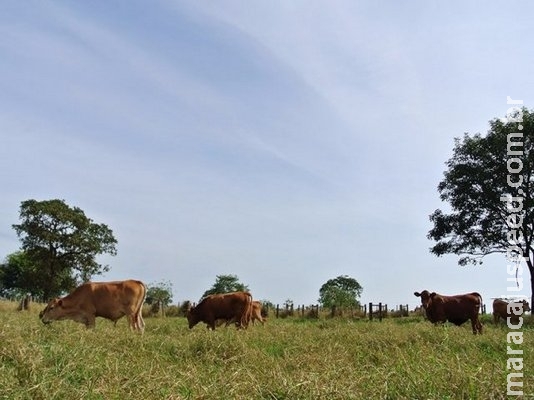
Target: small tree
x=226 y=284
x=62 y=243
x=342 y=291
x=159 y=295
x=289 y=307
x=288 y=304
x=19 y=275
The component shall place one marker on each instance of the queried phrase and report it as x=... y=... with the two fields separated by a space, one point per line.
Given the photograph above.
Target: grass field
x=285 y=359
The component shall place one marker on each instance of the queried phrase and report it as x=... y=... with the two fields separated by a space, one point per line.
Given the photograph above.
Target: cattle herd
x=113 y=300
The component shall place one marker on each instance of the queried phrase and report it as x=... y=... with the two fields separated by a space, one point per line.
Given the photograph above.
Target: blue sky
x=283 y=142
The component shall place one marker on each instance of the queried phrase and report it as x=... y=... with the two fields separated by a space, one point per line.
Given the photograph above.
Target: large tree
x=61 y=242
x=488 y=185
x=342 y=291
x=226 y=284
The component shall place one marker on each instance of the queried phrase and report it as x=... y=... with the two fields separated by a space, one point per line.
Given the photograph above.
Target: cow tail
x=250 y=309
x=139 y=322
x=479 y=325
x=247 y=314
x=481 y=302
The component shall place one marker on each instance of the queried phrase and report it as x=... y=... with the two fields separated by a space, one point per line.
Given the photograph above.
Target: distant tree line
x=59 y=245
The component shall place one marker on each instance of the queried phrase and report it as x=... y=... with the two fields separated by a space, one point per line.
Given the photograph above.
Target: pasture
x=398 y=358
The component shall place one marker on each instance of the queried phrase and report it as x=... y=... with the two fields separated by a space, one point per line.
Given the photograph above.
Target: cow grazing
x=507 y=309
x=110 y=300
x=456 y=309
x=256 y=312
x=235 y=306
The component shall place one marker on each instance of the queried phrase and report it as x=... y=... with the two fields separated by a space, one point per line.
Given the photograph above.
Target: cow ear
x=417 y=294
x=432 y=295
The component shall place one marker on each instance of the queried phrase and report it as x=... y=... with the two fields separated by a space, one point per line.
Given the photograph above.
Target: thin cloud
x=285 y=142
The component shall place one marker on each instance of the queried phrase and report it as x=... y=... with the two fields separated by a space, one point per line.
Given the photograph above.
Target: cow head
x=52 y=312
x=526 y=306
x=192 y=317
x=426 y=298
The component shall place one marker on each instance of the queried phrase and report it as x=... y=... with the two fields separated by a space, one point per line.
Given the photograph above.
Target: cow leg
x=231 y=321
x=211 y=323
x=132 y=322
x=140 y=322
x=244 y=321
x=136 y=322
x=476 y=325
x=90 y=321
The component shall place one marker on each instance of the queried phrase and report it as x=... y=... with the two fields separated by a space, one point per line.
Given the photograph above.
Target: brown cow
x=256 y=312
x=110 y=300
x=228 y=306
x=456 y=309
x=504 y=309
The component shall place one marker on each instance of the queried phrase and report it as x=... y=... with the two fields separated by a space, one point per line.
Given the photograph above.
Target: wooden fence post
x=380 y=312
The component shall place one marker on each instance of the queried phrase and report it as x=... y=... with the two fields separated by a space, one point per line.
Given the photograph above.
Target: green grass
x=285 y=359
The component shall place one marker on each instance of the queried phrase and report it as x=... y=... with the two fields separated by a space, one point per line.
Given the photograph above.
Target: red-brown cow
x=456 y=309
x=504 y=309
x=228 y=306
x=110 y=300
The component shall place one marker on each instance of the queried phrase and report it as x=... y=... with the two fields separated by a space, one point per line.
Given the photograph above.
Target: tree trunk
x=531 y=270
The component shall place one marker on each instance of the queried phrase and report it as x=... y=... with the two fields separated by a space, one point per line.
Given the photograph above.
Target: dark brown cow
x=110 y=300
x=235 y=306
x=507 y=309
x=456 y=309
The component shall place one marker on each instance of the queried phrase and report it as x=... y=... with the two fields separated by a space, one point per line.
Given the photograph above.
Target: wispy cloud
x=288 y=139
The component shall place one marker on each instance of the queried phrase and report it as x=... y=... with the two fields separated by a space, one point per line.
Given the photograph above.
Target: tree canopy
x=18 y=276
x=342 y=291
x=482 y=193
x=60 y=243
x=226 y=284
